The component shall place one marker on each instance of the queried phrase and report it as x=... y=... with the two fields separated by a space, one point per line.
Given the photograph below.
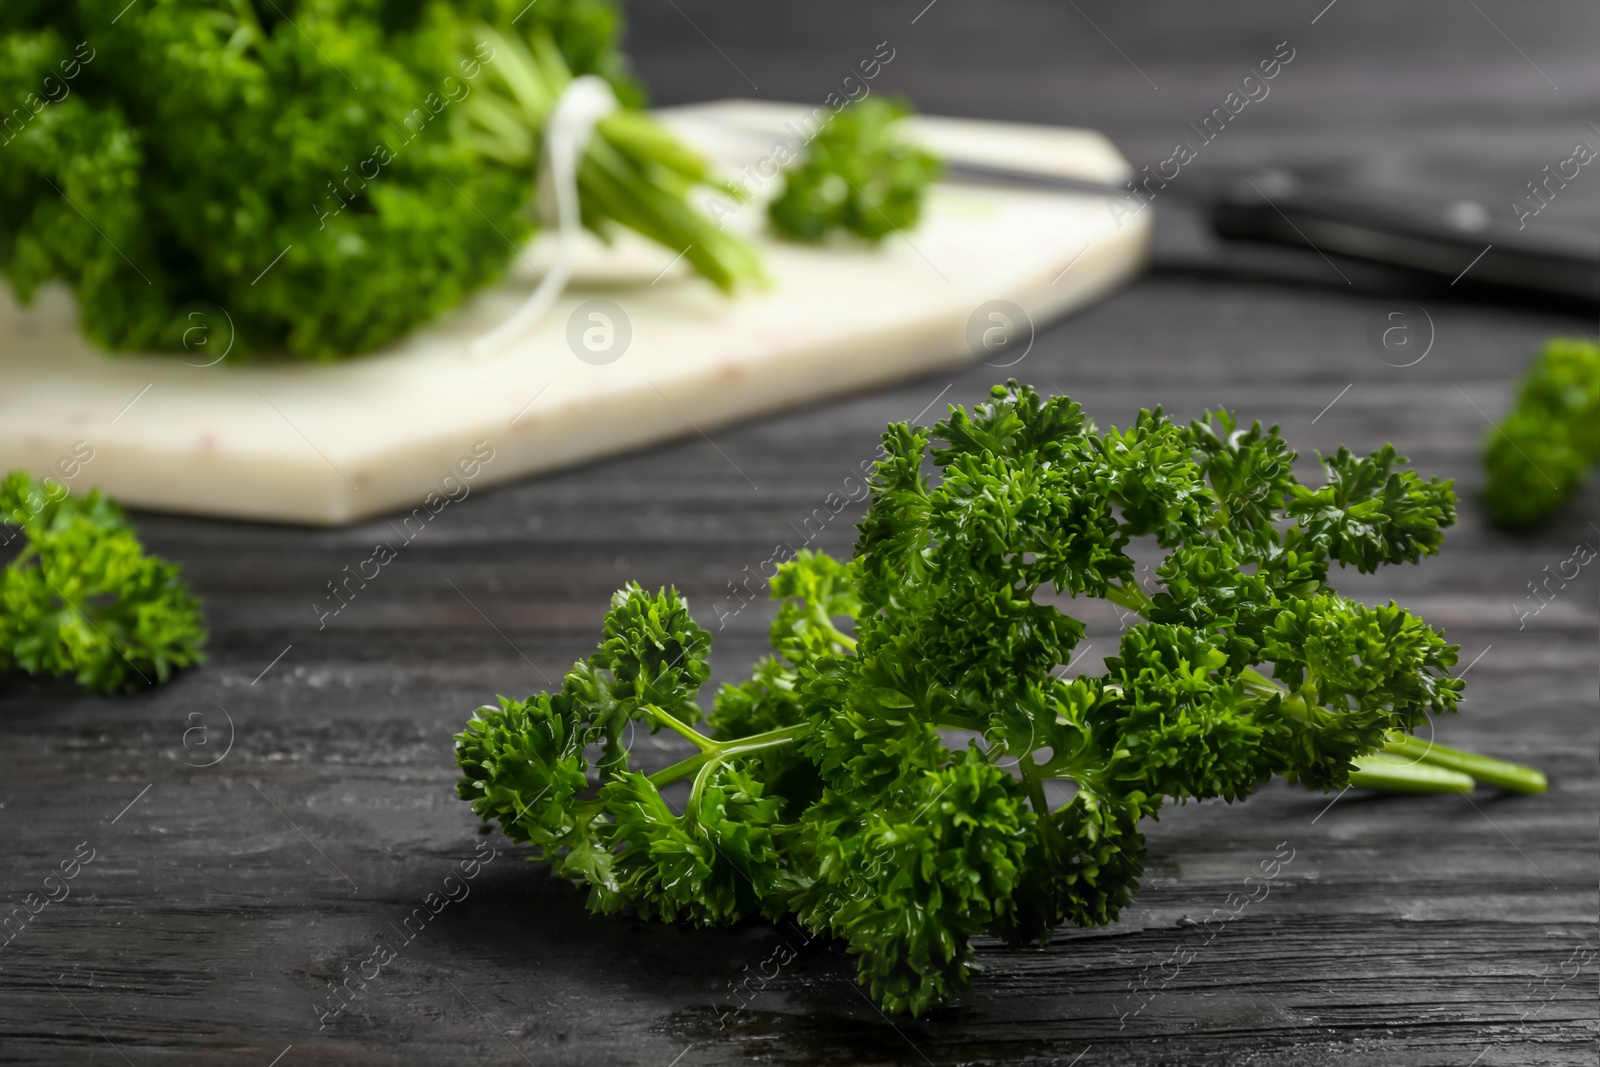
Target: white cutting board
x=331 y=443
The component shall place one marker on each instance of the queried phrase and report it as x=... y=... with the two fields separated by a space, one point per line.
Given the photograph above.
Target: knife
x=1455 y=242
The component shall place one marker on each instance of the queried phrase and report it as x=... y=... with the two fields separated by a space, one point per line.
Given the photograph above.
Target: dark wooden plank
x=222 y=900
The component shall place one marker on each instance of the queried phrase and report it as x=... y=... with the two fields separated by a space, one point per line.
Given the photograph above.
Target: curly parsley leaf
x=1549 y=442
x=82 y=599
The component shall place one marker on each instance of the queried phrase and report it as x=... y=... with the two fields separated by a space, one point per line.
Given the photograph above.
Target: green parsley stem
x=721 y=750
x=1506 y=775
x=821 y=619
x=1414 y=750
x=691 y=810
x=781 y=736
x=1383 y=771
x=706 y=744
x=713 y=751
x=1033 y=781
x=633 y=172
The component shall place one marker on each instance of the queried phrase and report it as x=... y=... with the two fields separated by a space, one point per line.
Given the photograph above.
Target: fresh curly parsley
x=1546 y=446
x=859 y=174
x=846 y=783
x=320 y=176
x=82 y=599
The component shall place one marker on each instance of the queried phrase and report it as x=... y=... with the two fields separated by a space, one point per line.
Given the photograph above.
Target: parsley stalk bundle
x=830 y=785
x=634 y=173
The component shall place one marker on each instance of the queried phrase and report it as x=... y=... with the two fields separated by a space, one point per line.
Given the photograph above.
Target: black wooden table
x=222 y=900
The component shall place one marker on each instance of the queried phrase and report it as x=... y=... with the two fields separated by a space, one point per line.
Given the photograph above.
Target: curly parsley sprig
x=1550 y=441
x=82 y=599
x=882 y=776
x=859 y=174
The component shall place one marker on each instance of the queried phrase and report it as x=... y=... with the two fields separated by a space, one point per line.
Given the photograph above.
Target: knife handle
x=1453 y=240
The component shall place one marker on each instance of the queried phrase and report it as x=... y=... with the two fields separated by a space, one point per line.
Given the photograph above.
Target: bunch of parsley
x=82 y=599
x=1550 y=441
x=831 y=785
x=306 y=167
x=859 y=174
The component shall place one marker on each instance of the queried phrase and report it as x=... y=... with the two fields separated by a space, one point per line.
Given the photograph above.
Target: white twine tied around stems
x=584 y=102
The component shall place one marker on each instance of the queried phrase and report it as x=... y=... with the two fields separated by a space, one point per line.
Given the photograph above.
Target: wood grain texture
x=1408 y=931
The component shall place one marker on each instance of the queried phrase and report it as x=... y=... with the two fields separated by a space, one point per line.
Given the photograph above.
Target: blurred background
x=1443 y=99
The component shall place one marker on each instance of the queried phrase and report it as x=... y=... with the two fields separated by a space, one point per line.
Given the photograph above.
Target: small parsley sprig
x=1550 y=441
x=859 y=174
x=82 y=599
x=882 y=776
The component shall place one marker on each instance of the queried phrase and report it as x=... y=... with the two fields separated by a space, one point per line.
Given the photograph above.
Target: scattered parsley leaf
x=1550 y=440
x=82 y=598
x=859 y=174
